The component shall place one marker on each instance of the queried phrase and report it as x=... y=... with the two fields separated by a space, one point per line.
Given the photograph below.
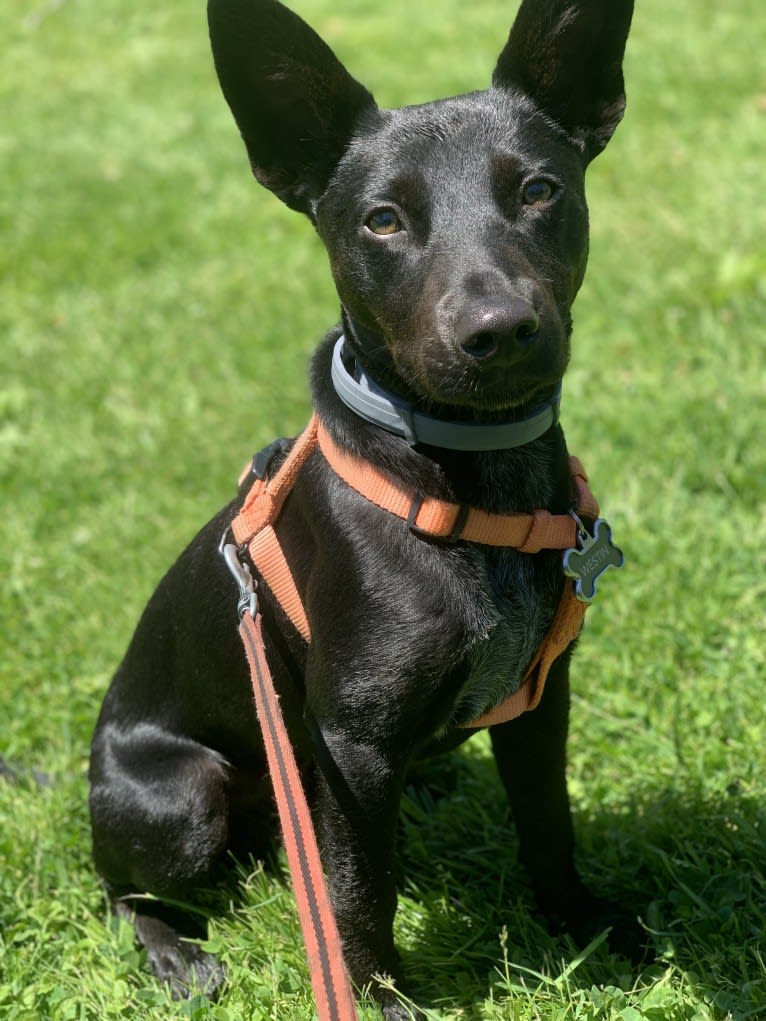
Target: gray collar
x=381 y=407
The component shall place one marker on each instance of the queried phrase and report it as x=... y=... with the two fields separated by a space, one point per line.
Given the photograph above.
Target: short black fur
x=457 y=233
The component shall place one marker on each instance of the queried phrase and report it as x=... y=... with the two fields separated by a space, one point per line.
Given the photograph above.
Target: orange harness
x=253 y=528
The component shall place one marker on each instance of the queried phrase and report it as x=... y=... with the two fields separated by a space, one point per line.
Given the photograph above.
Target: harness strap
x=432 y=518
x=254 y=527
x=439 y=519
x=266 y=496
x=329 y=979
x=271 y=563
x=528 y=533
x=564 y=628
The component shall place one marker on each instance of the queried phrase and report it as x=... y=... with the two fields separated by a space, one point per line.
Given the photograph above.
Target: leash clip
x=248 y=599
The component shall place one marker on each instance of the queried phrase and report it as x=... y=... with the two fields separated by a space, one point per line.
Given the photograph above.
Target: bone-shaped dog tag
x=596 y=554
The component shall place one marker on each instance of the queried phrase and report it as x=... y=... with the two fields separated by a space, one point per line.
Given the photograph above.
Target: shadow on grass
x=689 y=865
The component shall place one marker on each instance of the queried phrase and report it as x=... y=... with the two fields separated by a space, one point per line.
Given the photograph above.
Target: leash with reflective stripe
x=329 y=978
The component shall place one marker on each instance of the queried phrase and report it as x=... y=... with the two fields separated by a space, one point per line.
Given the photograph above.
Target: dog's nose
x=498 y=326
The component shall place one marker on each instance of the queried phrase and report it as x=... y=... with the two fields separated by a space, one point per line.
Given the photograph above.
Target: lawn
x=157 y=312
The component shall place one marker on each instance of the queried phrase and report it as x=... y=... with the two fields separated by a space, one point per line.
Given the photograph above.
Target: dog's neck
x=514 y=479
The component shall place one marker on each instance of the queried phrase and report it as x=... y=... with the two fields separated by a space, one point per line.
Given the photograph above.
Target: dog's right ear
x=294 y=103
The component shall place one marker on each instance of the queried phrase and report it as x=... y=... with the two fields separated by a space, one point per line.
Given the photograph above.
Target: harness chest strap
x=438 y=519
x=429 y=517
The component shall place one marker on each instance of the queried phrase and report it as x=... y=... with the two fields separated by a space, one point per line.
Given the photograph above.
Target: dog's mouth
x=470 y=388
x=475 y=400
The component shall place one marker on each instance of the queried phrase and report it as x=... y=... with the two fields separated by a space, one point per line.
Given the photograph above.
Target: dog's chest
x=506 y=626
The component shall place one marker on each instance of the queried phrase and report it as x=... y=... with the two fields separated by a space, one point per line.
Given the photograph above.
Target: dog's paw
x=625 y=936
x=187 y=969
x=584 y=916
x=394 y=1005
x=395 y=1009
x=174 y=953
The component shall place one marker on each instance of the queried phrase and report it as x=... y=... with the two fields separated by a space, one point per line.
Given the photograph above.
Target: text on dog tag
x=595 y=555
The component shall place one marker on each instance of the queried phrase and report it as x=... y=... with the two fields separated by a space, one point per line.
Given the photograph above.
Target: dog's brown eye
x=537 y=192
x=383 y=222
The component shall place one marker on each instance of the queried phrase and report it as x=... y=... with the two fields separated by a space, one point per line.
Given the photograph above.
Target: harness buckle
x=258 y=468
x=423 y=533
x=248 y=598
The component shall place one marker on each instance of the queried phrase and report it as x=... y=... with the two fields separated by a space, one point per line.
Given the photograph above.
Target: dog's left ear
x=567 y=57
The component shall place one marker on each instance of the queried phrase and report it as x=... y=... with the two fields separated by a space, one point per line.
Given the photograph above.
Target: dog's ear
x=293 y=101
x=567 y=57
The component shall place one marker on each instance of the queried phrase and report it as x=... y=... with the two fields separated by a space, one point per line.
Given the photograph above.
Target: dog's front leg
x=531 y=755
x=359 y=784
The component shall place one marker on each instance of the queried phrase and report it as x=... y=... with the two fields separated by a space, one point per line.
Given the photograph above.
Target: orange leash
x=329 y=978
x=324 y=951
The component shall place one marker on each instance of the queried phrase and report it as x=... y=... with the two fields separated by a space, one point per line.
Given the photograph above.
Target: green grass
x=157 y=314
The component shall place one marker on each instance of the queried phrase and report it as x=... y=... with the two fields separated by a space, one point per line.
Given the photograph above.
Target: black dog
x=457 y=234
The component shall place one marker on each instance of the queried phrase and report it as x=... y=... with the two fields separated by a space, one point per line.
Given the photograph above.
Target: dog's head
x=457 y=231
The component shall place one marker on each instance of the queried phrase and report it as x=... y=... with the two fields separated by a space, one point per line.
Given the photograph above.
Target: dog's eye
x=383 y=222
x=537 y=192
